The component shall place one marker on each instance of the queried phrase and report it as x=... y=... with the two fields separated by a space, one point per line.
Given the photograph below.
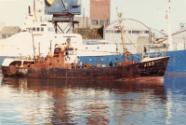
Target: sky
x=150 y=12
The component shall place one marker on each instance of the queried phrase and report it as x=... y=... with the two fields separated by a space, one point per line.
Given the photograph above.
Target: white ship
x=38 y=37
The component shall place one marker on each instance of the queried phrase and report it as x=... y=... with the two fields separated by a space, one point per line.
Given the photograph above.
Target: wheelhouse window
x=33 y=29
x=38 y=29
x=42 y=29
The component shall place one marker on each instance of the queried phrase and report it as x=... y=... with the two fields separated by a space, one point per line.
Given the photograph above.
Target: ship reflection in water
x=55 y=102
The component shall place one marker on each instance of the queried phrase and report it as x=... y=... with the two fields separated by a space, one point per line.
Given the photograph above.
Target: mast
x=121 y=28
x=169 y=26
x=120 y=20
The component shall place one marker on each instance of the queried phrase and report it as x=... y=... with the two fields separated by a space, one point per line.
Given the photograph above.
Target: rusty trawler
x=56 y=66
x=65 y=63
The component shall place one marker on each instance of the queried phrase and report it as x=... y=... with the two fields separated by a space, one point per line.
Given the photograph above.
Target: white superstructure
x=38 y=39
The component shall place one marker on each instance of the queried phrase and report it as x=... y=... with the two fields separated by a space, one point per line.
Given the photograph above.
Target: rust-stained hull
x=154 y=68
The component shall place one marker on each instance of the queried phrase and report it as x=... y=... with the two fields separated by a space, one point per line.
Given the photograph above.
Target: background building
x=99 y=12
x=178 y=39
x=136 y=35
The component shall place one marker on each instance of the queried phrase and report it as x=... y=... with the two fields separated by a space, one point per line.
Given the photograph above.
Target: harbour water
x=56 y=102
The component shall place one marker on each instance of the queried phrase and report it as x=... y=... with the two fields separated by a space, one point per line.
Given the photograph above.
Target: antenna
x=169 y=26
x=29 y=11
x=34 y=9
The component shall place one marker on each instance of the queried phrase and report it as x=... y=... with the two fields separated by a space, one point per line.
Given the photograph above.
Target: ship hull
x=153 y=68
x=176 y=62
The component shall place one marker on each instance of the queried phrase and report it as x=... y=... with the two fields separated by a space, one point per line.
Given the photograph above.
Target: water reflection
x=176 y=98
x=19 y=105
x=176 y=84
x=32 y=101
